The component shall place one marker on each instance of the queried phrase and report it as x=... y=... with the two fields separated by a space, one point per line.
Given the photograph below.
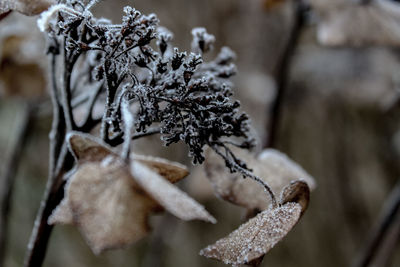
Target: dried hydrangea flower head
x=147 y=86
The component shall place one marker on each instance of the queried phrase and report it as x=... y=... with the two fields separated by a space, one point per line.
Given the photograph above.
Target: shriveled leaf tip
x=87 y=147
x=297 y=191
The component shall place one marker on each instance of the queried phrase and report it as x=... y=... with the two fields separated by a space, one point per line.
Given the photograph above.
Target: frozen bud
x=202 y=41
x=225 y=56
x=45 y=20
x=164 y=36
x=98 y=73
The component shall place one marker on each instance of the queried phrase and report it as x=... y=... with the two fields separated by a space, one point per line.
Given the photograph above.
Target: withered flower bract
x=252 y=240
x=110 y=201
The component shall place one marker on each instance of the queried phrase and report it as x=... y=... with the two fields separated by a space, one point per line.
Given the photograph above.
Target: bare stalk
x=7 y=178
x=282 y=73
x=41 y=230
x=384 y=236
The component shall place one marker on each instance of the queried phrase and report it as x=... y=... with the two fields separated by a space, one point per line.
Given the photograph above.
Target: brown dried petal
x=167 y=195
x=108 y=207
x=272 y=166
x=172 y=171
x=255 y=238
x=27 y=7
x=376 y=23
x=87 y=148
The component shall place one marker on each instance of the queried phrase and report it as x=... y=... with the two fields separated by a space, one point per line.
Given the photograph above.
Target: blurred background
x=336 y=66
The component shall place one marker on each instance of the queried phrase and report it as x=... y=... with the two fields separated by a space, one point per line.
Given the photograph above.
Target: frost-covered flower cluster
x=144 y=85
x=189 y=99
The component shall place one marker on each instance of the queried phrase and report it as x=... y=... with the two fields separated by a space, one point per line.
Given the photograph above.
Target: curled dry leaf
x=110 y=203
x=350 y=23
x=172 y=171
x=252 y=240
x=297 y=191
x=272 y=166
x=255 y=238
x=27 y=7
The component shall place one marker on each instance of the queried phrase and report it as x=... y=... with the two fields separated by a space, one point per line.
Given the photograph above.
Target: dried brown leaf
x=272 y=166
x=108 y=207
x=170 y=197
x=349 y=23
x=88 y=148
x=255 y=238
x=27 y=7
x=110 y=204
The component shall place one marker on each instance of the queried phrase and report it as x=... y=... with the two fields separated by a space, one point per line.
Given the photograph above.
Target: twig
x=233 y=161
x=375 y=249
x=282 y=73
x=128 y=121
x=10 y=170
x=53 y=193
x=89 y=120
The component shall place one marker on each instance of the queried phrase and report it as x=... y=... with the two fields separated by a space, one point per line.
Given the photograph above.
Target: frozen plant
x=145 y=86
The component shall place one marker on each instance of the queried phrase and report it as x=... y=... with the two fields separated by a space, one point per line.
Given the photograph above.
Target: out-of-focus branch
x=7 y=178
x=282 y=72
x=365 y=2
x=385 y=235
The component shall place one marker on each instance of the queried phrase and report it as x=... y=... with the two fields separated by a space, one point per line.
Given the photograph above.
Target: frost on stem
x=187 y=98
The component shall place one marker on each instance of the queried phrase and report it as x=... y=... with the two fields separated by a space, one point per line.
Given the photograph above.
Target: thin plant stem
x=128 y=120
x=7 y=178
x=245 y=172
x=282 y=73
x=389 y=219
x=41 y=230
